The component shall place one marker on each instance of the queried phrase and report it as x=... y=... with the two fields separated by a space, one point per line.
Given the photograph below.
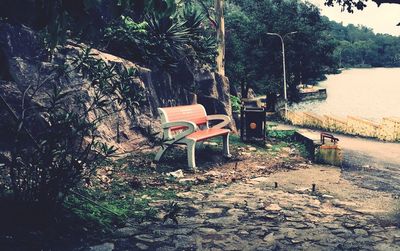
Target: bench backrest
x=193 y=113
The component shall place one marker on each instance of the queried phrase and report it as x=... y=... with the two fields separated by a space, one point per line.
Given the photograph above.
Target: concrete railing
x=296 y=118
x=388 y=129
x=313 y=120
x=335 y=124
x=362 y=127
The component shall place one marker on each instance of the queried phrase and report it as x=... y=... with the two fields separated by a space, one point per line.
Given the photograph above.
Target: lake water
x=367 y=93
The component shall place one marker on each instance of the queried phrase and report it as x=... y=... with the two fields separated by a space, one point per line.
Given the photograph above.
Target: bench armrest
x=191 y=127
x=225 y=120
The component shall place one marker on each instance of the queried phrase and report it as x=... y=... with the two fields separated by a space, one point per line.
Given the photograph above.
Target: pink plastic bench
x=188 y=125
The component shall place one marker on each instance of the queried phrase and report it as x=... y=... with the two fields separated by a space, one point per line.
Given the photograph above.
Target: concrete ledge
x=310 y=140
x=325 y=154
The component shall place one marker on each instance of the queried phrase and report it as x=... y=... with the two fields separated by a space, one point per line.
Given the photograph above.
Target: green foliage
x=359 y=46
x=254 y=59
x=283 y=135
x=47 y=164
x=160 y=33
x=165 y=38
x=115 y=205
x=348 y=5
x=285 y=139
x=236 y=103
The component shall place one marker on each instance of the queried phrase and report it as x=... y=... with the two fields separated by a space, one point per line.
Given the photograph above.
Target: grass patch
x=285 y=138
x=302 y=150
x=120 y=199
x=281 y=135
x=234 y=140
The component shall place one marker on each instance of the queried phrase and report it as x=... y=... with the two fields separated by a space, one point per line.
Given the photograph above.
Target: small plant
x=172 y=211
x=235 y=101
x=285 y=135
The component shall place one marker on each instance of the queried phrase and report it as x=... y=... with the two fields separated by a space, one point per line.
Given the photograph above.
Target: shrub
x=165 y=38
x=236 y=103
x=46 y=164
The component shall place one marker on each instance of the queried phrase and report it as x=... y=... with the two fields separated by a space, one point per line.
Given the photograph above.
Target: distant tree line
x=320 y=46
x=254 y=58
x=359 y=46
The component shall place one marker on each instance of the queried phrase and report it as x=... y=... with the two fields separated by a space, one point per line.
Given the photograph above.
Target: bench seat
x=190 y=124
x=208 y=133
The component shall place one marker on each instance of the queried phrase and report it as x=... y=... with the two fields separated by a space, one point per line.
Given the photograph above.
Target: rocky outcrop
x=27 y=63
x=214 y=94
x=23 y=61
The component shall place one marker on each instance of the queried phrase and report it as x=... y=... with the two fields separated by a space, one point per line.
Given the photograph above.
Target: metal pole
x=284 y=68
x=284 y=76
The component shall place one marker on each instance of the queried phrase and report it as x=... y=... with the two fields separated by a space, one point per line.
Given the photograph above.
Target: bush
x=236 y=103
x=164 y=38
x=44 y=166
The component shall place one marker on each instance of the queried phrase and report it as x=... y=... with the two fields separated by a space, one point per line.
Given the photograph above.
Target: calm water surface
x=368 y=93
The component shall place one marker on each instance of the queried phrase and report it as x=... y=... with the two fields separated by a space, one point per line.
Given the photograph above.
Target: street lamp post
x=284 y=67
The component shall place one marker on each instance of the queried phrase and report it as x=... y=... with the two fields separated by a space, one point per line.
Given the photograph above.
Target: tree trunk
x=219 y=13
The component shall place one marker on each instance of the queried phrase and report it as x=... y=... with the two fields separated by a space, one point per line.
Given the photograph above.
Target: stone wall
x=388 y=129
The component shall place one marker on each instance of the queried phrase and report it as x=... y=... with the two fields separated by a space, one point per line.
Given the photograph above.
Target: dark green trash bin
x=253 y=124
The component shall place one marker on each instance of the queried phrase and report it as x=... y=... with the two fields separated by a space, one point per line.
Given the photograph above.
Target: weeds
x=172 y=211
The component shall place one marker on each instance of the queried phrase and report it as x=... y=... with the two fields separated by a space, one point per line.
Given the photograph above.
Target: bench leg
x=191 y=148
x=226 y=145
x=160 y=153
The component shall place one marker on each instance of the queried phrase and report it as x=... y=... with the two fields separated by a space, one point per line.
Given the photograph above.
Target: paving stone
x=273 y=207
x=294 y=219
x=236 y=212
x=270 y=216
x=243 y=232
x=223 y=221
x=103 y=247
x=299 y=225
x=142 y=246
x=386 y=246
x=166 y=248
x=215 y=210
x=183 y=230
x=350 y=225
x=126 y=232
x=360 y=232
x=289 y=213
x=150 y=238
x=270 y=238
x=229 y=245
x=296 y=241
x=183 y=242
x=205 y=230
x=332 y=226
x=192 y=221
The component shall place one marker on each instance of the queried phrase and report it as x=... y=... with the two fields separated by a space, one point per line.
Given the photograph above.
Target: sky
x=382 y=20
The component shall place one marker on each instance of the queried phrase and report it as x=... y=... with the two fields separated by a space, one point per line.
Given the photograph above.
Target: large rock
x=27 y=66
x=214 y=94
x=23 y=61
x=19 y=41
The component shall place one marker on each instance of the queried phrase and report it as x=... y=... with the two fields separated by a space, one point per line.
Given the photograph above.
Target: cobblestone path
x=254 y=215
